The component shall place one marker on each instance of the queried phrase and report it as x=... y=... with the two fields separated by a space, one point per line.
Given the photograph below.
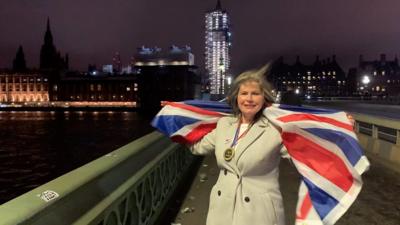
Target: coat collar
x=254 y=133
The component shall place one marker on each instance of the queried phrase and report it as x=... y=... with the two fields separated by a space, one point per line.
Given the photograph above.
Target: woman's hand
x=351 y=119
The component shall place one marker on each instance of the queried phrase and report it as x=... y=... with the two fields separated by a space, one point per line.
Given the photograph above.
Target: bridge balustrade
x=380 y=136
x=130 y=185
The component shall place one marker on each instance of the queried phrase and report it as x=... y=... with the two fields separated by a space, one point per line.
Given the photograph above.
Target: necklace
x=229 y=153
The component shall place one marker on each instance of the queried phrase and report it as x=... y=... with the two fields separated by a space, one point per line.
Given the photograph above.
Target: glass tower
x=217 y=48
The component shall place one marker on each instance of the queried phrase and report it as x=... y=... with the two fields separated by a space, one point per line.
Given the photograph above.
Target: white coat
x=247 y=190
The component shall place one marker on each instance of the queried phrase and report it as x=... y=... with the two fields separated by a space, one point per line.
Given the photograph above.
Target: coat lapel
x=253 y=134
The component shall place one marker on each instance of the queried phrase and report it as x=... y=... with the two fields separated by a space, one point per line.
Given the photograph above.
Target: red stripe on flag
x=194 y=109
x=302 y=117
x=321 y=160
x=305 y=207
x=196 y=134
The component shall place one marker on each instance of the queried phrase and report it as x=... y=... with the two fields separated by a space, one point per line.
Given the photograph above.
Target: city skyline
x=92 y=31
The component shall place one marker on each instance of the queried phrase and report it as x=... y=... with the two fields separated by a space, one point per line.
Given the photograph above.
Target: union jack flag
x=321 y=143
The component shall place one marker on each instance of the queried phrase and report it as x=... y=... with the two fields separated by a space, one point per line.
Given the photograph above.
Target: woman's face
x=250 y=100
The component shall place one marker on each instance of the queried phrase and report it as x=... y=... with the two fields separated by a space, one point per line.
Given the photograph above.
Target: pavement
x=377 y=204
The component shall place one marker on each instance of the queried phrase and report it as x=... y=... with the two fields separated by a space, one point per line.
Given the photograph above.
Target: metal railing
x=378 y=128
x=130 y=185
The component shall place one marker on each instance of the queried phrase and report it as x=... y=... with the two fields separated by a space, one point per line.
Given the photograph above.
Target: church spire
x=48 y=52
x=218 y=7
x=48 y=37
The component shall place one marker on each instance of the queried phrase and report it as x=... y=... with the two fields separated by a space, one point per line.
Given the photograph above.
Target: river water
x=36 y=147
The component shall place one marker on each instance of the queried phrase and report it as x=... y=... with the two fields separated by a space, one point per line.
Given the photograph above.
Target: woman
x=247 y=148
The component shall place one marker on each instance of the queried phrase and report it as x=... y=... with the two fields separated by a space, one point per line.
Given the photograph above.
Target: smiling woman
x=247 y=148
x=250 y=100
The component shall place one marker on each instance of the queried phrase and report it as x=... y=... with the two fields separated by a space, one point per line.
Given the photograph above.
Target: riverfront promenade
x=377 y=204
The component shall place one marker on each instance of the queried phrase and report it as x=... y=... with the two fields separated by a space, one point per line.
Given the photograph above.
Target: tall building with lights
x=217 y=49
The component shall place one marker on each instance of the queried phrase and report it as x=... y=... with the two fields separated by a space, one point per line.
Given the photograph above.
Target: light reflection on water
x=36 y=147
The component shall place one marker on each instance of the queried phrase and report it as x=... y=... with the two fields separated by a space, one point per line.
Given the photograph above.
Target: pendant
x=228 y=154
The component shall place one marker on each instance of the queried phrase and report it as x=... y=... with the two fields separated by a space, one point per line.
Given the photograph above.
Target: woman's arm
x=205 y=146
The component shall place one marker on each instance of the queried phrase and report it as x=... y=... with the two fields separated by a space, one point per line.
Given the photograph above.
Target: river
x=36 y=147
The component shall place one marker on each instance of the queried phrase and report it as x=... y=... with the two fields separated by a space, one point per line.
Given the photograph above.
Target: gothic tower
x=49 y=57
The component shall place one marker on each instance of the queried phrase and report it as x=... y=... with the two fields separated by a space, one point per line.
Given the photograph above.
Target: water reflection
x=36 y=147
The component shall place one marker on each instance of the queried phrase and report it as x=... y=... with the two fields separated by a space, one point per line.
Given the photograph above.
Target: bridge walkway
x=378 y=202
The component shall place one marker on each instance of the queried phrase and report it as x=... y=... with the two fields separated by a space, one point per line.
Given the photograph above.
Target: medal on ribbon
x=228 y=154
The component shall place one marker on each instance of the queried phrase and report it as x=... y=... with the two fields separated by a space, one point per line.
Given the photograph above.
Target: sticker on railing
x=48 y=195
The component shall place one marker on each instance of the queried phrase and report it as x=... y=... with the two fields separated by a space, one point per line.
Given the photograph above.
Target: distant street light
x=297 y=91
x=365 y=80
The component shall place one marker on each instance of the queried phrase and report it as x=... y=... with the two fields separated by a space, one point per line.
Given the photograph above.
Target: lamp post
x=365 y=81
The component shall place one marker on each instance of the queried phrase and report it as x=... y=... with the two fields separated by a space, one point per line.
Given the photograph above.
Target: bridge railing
x=130 y=185
x=380 y=136
x=391 y=100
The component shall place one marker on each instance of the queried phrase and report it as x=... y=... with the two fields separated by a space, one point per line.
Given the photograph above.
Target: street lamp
x=365 y=80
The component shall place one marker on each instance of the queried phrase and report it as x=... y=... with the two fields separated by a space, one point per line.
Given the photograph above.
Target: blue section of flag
x=210 y=105
x=322 y=201
x=349 y=146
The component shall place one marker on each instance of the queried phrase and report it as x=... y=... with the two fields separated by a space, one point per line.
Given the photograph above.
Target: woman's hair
x=258 y=76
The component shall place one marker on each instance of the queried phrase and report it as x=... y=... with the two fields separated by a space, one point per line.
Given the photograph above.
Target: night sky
x=91 y=31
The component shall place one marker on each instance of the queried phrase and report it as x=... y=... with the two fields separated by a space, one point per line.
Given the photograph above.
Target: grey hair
x=251 y=75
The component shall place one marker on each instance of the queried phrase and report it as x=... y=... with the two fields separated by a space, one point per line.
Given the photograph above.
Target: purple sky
x=92 y=30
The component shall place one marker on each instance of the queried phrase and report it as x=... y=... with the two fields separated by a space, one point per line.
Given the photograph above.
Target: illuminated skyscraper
x=217 y=52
